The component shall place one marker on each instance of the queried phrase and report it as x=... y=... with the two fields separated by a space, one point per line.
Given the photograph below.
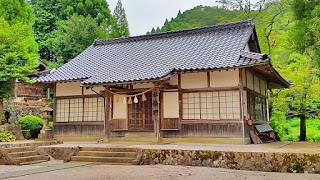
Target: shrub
x=26 y=134
x=51 y=125
x=32 y=123
x=7 y=136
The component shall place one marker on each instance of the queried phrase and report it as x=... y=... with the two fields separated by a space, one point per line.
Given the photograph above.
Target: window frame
x=234 y=118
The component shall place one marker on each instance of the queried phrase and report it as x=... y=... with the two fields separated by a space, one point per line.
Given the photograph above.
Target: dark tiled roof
x=156 y=56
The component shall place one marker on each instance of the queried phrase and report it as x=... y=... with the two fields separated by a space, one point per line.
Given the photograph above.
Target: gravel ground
x=101 y=171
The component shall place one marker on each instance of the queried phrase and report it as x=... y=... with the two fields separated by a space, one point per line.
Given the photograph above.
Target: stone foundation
x=253 y=161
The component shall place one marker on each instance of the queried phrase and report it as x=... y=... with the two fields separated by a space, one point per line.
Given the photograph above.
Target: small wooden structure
x=199 y=83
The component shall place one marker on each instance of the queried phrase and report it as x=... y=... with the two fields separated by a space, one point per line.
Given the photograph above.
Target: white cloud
x=145 y=14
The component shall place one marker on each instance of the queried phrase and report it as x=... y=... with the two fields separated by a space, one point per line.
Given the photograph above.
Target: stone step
x=23 y=154
x=33 y=162
x=106 y=149
x=31 y=158
x=103 y=159
x=19 y=149
x=107 y=154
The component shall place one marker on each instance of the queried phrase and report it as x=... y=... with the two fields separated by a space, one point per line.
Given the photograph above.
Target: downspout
x=104 y=98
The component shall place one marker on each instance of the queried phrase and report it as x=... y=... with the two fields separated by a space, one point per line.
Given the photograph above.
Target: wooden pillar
x=107 y=117
x=156 y=111
x=242 y=114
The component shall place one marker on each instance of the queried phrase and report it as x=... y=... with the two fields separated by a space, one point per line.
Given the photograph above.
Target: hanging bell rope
x=144 y=98
x=130 y=100
x=134 y=96
x=135 y=100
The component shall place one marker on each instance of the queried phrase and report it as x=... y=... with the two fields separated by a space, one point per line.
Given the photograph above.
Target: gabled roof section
x=153 y=57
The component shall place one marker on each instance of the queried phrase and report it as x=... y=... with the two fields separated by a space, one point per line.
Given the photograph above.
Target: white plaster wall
x=119 y=108
x=173 y=80
x=97 y=89
x=68 y=89
x=244 y=78
x=263 y=87
x=224 y=78
x=194 y=80
x=249 y=80
x=170 y=105
x=256 y=84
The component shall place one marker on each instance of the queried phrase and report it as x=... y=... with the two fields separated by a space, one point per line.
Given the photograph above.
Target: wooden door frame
x=143 y=117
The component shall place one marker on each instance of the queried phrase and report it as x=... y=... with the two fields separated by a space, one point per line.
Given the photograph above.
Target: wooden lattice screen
x=211 y=105
x=80 y=109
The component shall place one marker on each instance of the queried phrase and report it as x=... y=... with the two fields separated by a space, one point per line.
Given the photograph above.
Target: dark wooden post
x=156 y=111
x=107 y=117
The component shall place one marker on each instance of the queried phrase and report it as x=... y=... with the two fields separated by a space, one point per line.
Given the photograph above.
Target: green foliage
x=50 y=13
x=289 y=129
x=197 y=17
x=26 y=134
x=51 y=125
x=7 y=137
x=68 y=41
x=121 y=25
x=32 y=123
x=73 y=36
x=18 y=49
x=16 y=11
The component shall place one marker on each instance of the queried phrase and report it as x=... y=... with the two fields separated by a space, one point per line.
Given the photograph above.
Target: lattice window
x=229 y=104
x=93 y=109
x=211 y=105
x=80 y=109
x=257 y=108
x=76 y=109
x=62 y=114
x=191 y=105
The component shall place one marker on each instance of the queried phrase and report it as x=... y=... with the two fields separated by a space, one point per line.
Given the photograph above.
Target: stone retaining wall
x=29 y=143
x=253 y=161
x=60 y=153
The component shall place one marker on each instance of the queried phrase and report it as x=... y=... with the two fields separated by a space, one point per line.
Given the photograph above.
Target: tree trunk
x=1 y=111
x=303 y=132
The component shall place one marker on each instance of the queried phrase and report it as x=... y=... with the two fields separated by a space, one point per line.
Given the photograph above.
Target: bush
x=51 y=125
x=26 y=134
x=7 y=136
x=32 y=123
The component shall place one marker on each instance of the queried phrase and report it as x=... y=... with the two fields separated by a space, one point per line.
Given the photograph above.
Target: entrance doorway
x=140 y=114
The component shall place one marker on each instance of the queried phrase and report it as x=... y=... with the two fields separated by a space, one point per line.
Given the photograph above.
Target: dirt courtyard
x=124 y=172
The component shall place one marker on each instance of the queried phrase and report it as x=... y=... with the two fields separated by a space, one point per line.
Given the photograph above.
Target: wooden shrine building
x=198 y=83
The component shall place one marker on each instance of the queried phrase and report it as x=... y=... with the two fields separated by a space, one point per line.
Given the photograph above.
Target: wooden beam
x=107 y=116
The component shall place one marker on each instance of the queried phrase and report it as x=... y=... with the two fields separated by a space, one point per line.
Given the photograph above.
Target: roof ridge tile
x=219 y=27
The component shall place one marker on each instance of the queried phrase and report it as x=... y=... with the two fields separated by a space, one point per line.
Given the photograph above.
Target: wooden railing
x=29 y=91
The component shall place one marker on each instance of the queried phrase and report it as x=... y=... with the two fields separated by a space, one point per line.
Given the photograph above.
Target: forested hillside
x=288 y=31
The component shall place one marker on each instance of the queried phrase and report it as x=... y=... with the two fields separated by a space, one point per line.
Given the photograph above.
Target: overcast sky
x=143 y=15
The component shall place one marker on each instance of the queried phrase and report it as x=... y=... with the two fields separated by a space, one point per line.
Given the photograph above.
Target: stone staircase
x=117 y=156
x=25 y=155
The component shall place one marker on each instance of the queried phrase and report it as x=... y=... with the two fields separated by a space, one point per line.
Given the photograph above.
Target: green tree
x=73 y=36
x=303 y=96
x=16 y=11
x=18 y=56
x=121 y=26
x=18 y=49
x=49 y=12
